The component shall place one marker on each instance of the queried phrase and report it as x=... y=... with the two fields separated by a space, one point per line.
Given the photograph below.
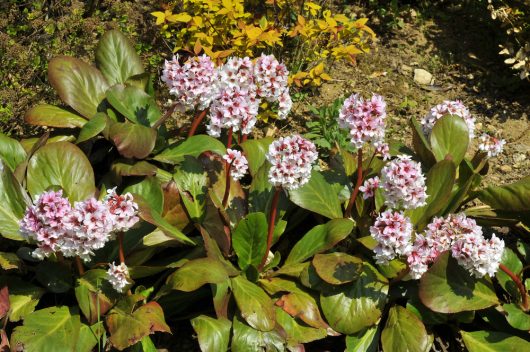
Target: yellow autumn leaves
x=304 y=33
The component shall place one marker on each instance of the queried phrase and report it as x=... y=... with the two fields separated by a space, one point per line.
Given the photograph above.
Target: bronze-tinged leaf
x=133 y=140
x=301 y=305
x=53 y=116
x=4 y=301
x=79 y=84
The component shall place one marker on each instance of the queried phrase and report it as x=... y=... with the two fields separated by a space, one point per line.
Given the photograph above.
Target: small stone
x=422 y=77
x=506 y=168
x=406 y=70
x=519 y=158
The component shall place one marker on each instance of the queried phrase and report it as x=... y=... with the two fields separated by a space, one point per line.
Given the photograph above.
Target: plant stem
x=274 y=207
x=196 y=122
x=244 y=138
x=163 y=119
x=120 y=245
x=347 y=213
x=400 y=276
x=79 y=265
x=229 y=141
x=227 y=183
x=519 y=284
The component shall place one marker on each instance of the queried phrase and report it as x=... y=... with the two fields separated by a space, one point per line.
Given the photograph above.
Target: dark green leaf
x=298 y=333
x=135 y=104
x=255 y=305
x=318 y=196
x=133 y=140
x=450 y=136
x=404 y=332
x=53 y=116
x=89 y=337
x=420 y=144
x=192 y=181
x=449 y=288
x=364 y=341
x=193 y=146
x=61 y=164
x=49 y=329
x=79 y=84
x=514 y=197
x=128 y=168
x=93 y=127
x=213 y=334
x=116 y=58
x=516 y=317
x=150 y=190
x=196 y=273
x=95 y=295
x=353 y=307
x=493 y=341
x=319 y=239
x=247 y=339
x=512 y=262
x=23 y=296
x=54 y=276
x=13 y=200
x=249 y=240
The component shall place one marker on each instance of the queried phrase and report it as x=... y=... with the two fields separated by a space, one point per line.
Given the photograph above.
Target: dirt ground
x=455 y=47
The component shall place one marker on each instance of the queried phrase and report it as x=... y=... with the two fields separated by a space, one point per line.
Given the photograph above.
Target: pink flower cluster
x=369 y=186
x=403 y=183
x=463 y=237
x=392 y=231
x=118 y=276
x=242 y=85
x=445 y=108
x=77 y=230
x=490 y=145
x=291 y=161
x=365 y=119
x=194 y=84
x=238 y=163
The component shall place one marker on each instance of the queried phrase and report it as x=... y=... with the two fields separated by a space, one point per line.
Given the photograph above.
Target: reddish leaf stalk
x=244 y=139
x=163 y=119
x=227 y=183
x=121 y=253
x=274 y=208
x=519 y=284
x=230 y=137
x=348 y=211
x=196 y=122
x=79 y=265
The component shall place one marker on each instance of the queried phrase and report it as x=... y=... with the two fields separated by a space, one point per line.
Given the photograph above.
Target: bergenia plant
x=126 y=230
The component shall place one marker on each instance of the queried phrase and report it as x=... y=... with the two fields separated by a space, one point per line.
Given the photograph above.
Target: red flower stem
x=227 y=183
x=519 y=284
x=274 y=207
x=347 y=213
x=163 y=119
x=230 y=136
x=120 y=245
x=196 y=122
x=79 y=265
x=244 y=139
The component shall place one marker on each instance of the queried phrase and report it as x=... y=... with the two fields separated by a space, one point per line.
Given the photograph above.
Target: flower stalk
x=196 y=122
x=272 y=218
x=347 y=213
x=79 y=265
x=121 y=253
x=520 y=285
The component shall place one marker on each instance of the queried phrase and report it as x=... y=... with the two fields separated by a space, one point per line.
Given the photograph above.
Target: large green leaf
x=450 y=136
x=514 y=197
x=61 y=164
x=337 y=268
x=11 y=152
x=255 y=151
x=79 y=84
x=353 y=307
x=296 y=332
x=449 y=288
x=516 y=317
x=49 y=329
x=150 y=190
x=420 y=143
x=135 y=104
x=192 y=182
x=13 y=200
x=249 y=240
x=318 y=196
x=196 y=273
x=247 y=339
x=127 y=328
x=255 y=305
x=131 y=168
x=512 y=262
x=193 y=146
x=404 y=332
x=493 y=341
x=53 y=116
x=95 y=295
x=116 y=57
x=364 y=341
x=440 y=181
x=213 y=334
x=319 y=239
x=23 y=296
x=133 y=140
x=89 y=337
